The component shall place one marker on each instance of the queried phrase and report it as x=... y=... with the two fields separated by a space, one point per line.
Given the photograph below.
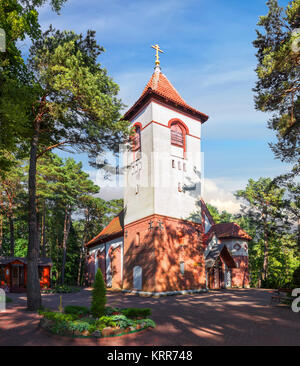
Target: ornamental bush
x=98 y=296
x=104 y=322
x=122 y=321
x=136 y=312
x=77 y=310
x=109 y=310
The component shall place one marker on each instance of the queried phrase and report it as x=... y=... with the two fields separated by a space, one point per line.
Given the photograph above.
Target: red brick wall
x=160 y=253
x=240 y=275
x=139 y=255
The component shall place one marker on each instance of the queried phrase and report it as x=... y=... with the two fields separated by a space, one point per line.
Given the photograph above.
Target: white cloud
x=109 y=188
x=220 y=195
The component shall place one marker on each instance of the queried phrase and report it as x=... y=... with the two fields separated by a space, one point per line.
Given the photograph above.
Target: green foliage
x=272 y=252
x=8 y=299
x=63 y=289
x=104 y=322
x=76 y=309
x=56 y=316
x=109 y=310
x=78 y=325
x=218 y=217
x=278 y=87
x=147 y=323
x=98 y=295
x=61 y=323
x=122 y=321
x=136 y=312
x=19 y=19
x=296 y=277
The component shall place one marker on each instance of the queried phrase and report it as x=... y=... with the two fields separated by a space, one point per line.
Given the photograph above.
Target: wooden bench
x=281 y=295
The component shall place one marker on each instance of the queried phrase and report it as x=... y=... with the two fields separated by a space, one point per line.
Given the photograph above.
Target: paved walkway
x=227 y=317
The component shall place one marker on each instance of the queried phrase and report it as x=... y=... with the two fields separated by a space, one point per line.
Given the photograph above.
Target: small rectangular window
x=173 y=163
x=184 y=167
x=182 y=268
x=137 y=239
x=179 y=165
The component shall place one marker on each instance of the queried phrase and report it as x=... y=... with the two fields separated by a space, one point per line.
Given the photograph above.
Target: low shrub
x=62 y=289
x=55 y=316
x=79 y=326
x=148 y=323
x=59 y=327
x=77 y=310
x=122 y=321
x=136 y=312
x=8 y=299
x=110 y=311
x=104 y=322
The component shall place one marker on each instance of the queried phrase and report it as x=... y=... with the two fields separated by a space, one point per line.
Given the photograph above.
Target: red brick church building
x=165 y=239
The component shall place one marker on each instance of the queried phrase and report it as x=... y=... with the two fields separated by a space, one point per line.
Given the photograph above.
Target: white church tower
x=163 y=175
x=164 y=241
x=164 y=166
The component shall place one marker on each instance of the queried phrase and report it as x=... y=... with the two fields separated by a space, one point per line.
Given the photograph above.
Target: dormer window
x=177 y=135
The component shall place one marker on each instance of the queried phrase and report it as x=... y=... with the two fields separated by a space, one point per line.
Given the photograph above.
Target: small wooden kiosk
x=13 y=273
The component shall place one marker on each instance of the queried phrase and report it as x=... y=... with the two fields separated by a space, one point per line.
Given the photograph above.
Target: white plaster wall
x=144 y=116
x=139 y=173
x=207 y=224
x=157 y=181
x=114 y=243
x=167 y=199
x=214 y=241
x=163 y=115
x=230 y=245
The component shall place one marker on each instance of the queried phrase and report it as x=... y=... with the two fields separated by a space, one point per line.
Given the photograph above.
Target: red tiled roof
x=228 y=230
x=161 y=86
x=113 y=229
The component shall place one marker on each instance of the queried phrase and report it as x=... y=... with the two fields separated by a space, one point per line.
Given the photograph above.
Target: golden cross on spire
x=157 y=49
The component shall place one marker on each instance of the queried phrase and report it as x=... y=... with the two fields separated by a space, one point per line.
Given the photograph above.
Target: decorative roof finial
x=157 y=62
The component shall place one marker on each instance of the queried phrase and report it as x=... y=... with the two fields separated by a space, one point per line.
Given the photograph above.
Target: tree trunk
x=87 y=216
x=12 y=235
x=266 y=252
x=298 y=237
x=1 y=233
x=80 y=260
x=34 y=300
x=67 y=224
x=44 y=231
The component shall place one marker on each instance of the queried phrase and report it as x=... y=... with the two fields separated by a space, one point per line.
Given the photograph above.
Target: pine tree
x=265 y=207
x=278 y=87
x=98 y=295
x=76 y=106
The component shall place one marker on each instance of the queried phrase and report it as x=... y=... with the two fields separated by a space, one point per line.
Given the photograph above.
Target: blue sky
x=208 y=57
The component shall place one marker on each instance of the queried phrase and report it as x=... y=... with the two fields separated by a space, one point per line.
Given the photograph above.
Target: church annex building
x=157 y=243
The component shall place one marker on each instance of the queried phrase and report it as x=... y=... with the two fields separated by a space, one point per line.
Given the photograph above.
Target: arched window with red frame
x=177 y=135
x=136 y=139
